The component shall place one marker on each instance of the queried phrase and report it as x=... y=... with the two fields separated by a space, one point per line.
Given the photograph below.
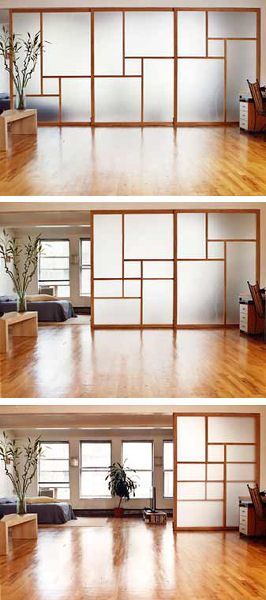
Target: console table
x=24 y=527
x=19 y=121
x=23 y=324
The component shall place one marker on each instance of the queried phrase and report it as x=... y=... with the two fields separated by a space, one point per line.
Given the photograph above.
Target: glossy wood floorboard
x=134 y=161
x=130 y=561
x=72 y=361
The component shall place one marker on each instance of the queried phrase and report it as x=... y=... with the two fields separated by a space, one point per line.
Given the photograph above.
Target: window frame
x=86 y=267
x=53 y=484
x=167 y=471
x=50 y=282
x=93 y=469
x=141 y=470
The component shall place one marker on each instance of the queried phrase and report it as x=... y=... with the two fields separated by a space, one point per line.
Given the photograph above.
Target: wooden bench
x=24 y=527
x=23 y=324
x=20 y=122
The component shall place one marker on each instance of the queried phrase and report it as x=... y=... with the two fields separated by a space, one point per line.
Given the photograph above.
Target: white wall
x=153 y=3
x=158 y=435
x=6 y=488
x=6 y=285
x=73 y=234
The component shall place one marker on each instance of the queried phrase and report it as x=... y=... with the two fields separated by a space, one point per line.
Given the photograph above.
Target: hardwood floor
x=132 y=161
x=126 y=560
x=72 y=361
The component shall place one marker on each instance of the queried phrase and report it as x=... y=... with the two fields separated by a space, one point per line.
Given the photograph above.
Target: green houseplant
x=20 y=263
x=120 y=484
x=20 y=464
x=20 y=57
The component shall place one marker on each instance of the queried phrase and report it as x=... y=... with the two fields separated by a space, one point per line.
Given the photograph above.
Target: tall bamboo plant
x=20 y=57
x=20 y=263
x=20 y=464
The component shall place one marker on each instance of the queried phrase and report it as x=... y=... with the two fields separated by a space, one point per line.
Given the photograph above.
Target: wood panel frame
x=256 y=462
x=175 y=260
x=174 y=122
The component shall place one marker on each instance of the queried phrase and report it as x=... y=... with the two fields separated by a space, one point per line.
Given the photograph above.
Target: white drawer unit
x=243 y=115
x=248 y=322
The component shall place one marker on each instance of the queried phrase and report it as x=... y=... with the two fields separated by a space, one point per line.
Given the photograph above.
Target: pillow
x=41 y=500
x=41 y=298
x=8 y=298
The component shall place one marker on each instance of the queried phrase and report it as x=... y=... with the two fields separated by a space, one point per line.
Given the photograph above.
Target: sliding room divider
x=141 y=66
x=215 y=456
x=172 y=268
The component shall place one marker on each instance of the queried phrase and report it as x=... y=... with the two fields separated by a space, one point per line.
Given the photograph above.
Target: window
x=54 y=469
x=54 y=266
x=168 y=469
x=95 y=460
x=85 y=268
x=139 y=456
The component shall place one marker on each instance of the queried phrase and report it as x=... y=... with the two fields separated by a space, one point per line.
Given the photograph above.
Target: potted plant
x=20 y=464
x=24 y=260
x=120 y=484
x=20 y=57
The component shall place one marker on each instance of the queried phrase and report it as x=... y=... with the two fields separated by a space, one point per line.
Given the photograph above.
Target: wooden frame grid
x=174 y=57
x=206 y=462
x=175 y=261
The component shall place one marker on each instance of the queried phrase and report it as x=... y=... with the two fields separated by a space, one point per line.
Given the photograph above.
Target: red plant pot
x=118 y=513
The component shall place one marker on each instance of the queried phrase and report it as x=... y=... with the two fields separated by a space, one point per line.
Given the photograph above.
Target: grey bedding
x=48 y=514
x=55 y=310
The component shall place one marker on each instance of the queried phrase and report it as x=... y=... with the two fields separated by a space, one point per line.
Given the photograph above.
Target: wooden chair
x=258 y=101
x=259 y=507
x=259 y=303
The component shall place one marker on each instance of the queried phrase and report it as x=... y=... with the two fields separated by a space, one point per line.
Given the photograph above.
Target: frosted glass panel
x=117 y=99
x=158 y=90
x=76 y=100
x=158 y=269
x=215 y=472
x=116 y=312
x=149 y=236
x=191 y=439
x=241 y=267
x=69 y=50
x=216 y=47
x=149 y=33
x=200 y=292
x=232 y=24
x=132 y=288
x=191 y=491
x=241 y=65
x=191 y=33
x=231 y=226
x=215 y=491
x=215 y=453
x=108 y=288
x=133 y=66
x=233 y=491
x=108 y=43
x=47 y=108
x=51 y=86
x=215 y=250
x=191 y=235
x=240 y=472
x=22 y=24
x=107 y=246
x=200 y=514
x=132 y=269
x=241 y=453
x=204 y=101
x=191 y=472
x=157 y=302
x=231 y=429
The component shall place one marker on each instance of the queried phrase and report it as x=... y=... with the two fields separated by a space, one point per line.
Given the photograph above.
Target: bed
x=55 y=513
x=52 y=311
